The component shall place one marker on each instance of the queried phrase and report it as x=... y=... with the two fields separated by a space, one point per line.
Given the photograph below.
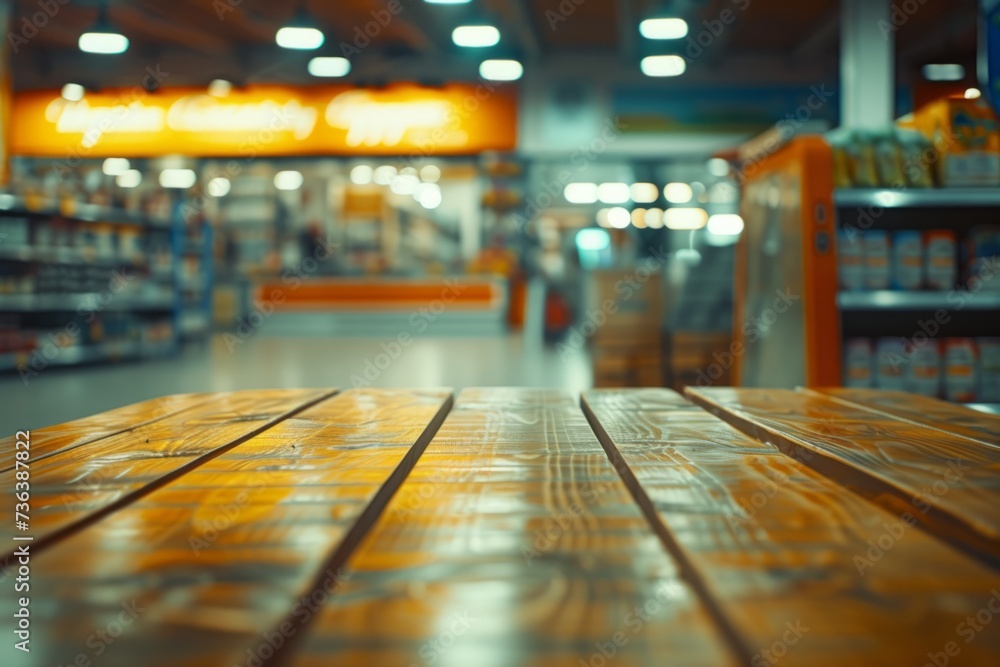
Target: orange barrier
x=381 y=295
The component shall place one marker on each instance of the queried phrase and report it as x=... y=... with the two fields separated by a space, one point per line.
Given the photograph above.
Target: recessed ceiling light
x=219 y=186
x=613 y=193
x=663 y=28
x=288 y=180
x=581 y=193
x=362 y=175
x=685 y=218
x=727 y=224
x=115 y=166
x=131 y=178
x=501 y=70
x=644 y=193
x=178 y=178
x=105 y=43
x=430 y=174
x=329 y=67
x=944 y=72
x=384 y=174
x=475 y=36
x=678 y=193
x=619 y=217
x=659 y=66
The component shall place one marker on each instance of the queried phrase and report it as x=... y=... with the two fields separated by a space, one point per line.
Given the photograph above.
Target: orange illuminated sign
x=267 y=120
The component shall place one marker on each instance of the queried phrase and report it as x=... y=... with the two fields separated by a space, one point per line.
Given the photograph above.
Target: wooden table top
x=508 y=527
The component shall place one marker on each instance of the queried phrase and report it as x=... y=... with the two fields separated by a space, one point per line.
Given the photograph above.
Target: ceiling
x=199 y=40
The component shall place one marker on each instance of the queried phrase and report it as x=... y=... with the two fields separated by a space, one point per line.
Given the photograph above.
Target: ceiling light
x=619 y=217
x=115 y=166
x=301 y=39
x=288 y=180
x=644 y=193
x=501 y=70
x=663 y=65
x=405 y=184
x=602 y=218
x=430 y=174
x=593 y=240
x=105 y=43
x=219 y=186
x=129 y=179
x=654 y=218
x=639 y=218
x=581 y=193
x=678 y=193
x=663 y=28
x=944 y=72
x=429 y=195
x=685 y=218
x=727 y=224
x=178 y=178
x=362 y=175
x=219 y=88
x=475 y=36
x=329 y=67
x=73 y=92
x=447 y=2
x=613 y=193
x=384 y=174
x=718 y=167
x=973 y=94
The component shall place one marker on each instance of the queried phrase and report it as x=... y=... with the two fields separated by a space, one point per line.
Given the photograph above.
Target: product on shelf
x=965 y=141
x=859 y=358
x=889 y=161
x=941 y=270
x=989 y=369
x=924 y=368
x=851 y=261
x=14 y=231
x=916 y=169
x=907 y=261
x=960 y=370
x=892 y=363
x=982 y=258
x=876 y=246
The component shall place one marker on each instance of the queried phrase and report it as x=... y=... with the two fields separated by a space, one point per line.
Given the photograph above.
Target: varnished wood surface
x=465 y=539
x=515 y=527
x=222 y=553
x=930 y=412
x=770 y=538
x=950 y=484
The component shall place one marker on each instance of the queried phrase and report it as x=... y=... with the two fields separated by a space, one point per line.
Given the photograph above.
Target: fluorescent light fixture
x=475 y=36
x=447 y=2
x=115 y=166
x=362 y=175
x=619 y=217
x=384 y=174
x=663 y=65
x=663 y=28
x=973 y=94
x=613 y=193
x=405 y=184
x=73 y=92
x=678 y=193
x=106 y=43
x=654 y=218
x=430 y=174
x=644 y=193
x=592 y=240
x=581 y=193
x=602 y=218
x=219 y=186
x=288 y=180
x=685 y=218
x=718 y=167
x=130 y=178
x=944 y=72
x=725 y=224
x=639 y=218
x=178 y=178
x=329 y=66
x=299 y=38
x=429 y=195
x=220 y=88
x=408 y=171
x=501 y=70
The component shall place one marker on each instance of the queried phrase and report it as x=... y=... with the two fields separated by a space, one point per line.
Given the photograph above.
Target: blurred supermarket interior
x=211 y=195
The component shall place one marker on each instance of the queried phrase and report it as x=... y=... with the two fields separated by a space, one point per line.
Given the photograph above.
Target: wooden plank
x=80 y=485
x=950 y=484
x=223 y=553
x=923 y=411
x=779 y=546
x=54 y=439
x=512 y=542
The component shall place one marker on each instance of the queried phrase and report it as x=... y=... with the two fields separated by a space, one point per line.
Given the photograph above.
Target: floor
x=59 y=394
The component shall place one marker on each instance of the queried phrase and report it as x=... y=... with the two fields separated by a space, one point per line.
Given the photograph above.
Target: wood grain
x=950 y=484
x=221 y=554
x=923 y=411
x=777 y=545
x=512 y=542
x=54 y=439
x=79 y=485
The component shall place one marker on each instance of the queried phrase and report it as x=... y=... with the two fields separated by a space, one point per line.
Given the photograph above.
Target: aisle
x=60 y=395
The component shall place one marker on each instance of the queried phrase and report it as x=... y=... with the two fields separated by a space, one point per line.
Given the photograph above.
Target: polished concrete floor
x=61 y=394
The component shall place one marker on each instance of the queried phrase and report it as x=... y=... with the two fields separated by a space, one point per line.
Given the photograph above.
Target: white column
x=867 y=64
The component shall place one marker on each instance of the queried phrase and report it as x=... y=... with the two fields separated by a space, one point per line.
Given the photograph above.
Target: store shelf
x=42 y=303
x=16 y=206
x=917 y=198
x=897 y=301
x=91 y=354
x=63 y=256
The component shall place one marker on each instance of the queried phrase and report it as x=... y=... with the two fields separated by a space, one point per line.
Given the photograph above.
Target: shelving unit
x=82 y=284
